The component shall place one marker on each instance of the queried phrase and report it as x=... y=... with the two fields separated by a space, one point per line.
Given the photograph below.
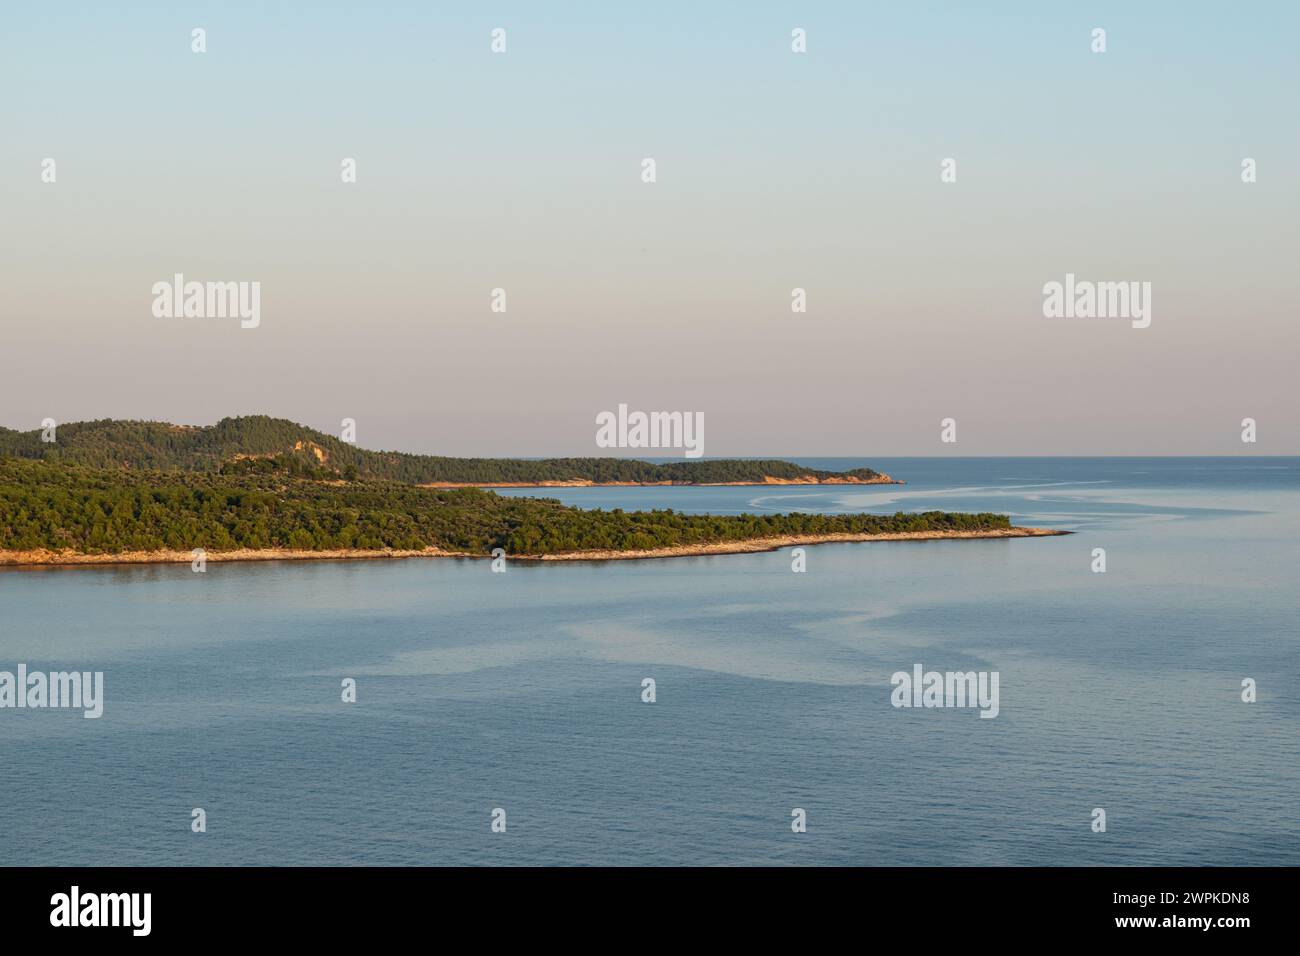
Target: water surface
x=522 y=690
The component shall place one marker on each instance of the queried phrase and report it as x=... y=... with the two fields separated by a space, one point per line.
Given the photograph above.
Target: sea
x=504 y=718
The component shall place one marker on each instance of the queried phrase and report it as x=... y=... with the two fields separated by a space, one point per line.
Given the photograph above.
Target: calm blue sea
x=522 y=691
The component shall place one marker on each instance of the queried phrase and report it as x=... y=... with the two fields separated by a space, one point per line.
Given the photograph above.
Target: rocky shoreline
x=47 y=558
x=588 y=483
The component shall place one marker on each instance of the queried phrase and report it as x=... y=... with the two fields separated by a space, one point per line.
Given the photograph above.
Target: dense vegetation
x=102 y=511
x=158 y=445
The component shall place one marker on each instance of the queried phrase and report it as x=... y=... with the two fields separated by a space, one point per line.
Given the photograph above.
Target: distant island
x=241 y=444
x=262 y=488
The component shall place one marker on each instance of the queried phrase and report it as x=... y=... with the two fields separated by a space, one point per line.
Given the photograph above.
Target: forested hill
x=239 y=444
x=59 y=507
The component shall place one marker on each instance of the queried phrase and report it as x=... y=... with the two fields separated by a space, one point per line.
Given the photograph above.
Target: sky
x=774 y=170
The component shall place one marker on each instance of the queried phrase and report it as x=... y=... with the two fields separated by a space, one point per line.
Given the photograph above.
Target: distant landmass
x=263 y=488
x=259 y=442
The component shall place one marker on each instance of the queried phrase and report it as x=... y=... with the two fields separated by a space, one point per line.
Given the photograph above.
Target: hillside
x=58 y=507
x=166 y=447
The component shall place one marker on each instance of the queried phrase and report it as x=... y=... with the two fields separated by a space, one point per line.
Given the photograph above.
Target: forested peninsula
x=143 y=492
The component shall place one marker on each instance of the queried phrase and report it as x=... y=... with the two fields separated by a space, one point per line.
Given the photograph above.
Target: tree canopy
x=53 y=505
x=162 y=446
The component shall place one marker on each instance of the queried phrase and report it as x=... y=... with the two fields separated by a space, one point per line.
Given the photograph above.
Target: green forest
x=165 y=447
x=284 y=503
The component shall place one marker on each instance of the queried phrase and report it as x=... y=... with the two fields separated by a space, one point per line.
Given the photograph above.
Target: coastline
x=47 y=558
x=753 y=545
x=588 y=483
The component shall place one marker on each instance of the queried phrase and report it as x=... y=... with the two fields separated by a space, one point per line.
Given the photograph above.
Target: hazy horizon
x=661 y=456
x=776 y=170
